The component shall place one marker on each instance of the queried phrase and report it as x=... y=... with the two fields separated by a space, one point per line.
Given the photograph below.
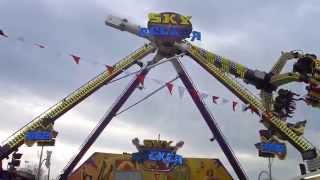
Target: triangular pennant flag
x=224 y=100
x=254 y=110
x=234 y=105
x=140 y=78
x=214 y=99
x=266 y=115
x=157 y=81
x=109 y=68
x=181 y=91
x=194 y=93
x=244 y=107
x=203 y=96
x=75 y=58
x=3 y=34
x=251 y=108
x=39 y=45
x=126 y=72
x=95 y=63
x=21 y=39
x=170 y=87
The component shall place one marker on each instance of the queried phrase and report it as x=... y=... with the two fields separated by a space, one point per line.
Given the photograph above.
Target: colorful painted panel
x=103 y=166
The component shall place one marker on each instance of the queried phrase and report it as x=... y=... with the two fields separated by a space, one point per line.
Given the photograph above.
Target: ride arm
x=123 y=24
x=49 y=116
x=257 y=78
x=267 y=97
x=307 y=150
x=283 y=59
x=306 y=69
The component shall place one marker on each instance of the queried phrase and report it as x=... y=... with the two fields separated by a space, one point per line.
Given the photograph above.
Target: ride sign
x=158 y=31
x=169 y=26
x=38 y=136
x=278 y=149
x=166 y=157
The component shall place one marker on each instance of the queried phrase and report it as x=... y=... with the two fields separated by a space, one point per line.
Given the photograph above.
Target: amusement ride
x=167 y=33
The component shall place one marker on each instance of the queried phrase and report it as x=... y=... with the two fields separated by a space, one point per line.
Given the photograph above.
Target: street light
x=263 y=172
x=47 y=163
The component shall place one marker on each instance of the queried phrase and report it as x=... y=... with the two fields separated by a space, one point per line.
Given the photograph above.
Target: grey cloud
x=266 y=28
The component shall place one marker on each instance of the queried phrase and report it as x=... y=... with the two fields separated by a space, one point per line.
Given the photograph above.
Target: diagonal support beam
x=102 y=125
x=106 y=119
x=209 y=120
x=53 y=113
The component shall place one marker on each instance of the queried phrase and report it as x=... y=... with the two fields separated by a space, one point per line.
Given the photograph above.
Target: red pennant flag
x=251 y=108
x=39 y=45
x=75 y=58
x=214 y=99
x=110 y=69
x=170 y=87
x=267 y=115
x=194 y=93
x=234 y=105
x=140 y=78
x=254 y=110
x=3 y=34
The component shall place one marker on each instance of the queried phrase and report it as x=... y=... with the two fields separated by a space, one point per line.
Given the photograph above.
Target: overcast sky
x=250 y=32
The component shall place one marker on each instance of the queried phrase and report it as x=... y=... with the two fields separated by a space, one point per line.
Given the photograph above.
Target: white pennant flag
x=157 y=81
x=224 y=101
x=95 y=63
x=203 y=96
x=126 y=72
x=181 y=91
x=21 y=39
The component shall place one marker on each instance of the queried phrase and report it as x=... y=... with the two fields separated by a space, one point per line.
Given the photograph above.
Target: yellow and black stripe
x=222 y=63
x=216 y=70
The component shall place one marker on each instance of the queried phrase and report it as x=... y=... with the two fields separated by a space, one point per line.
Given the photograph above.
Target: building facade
x=155 y=160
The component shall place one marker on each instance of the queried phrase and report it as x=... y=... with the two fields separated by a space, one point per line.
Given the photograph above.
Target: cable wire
x=112 y=81
x=146 y=97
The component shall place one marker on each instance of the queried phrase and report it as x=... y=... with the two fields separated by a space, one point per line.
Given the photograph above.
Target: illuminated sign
x=274 y=148
x=38 y=136
x=166 y=157
x=169 y=18
x=169 y=32
x=169 y=26
x=148 y=143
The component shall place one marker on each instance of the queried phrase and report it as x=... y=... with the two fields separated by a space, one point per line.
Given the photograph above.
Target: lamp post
x=268 y=173
x=48 y=162
x=263 y=172
x=40 y=162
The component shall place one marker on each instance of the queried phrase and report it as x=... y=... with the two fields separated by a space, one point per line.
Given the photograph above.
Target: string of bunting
x=170 y=86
